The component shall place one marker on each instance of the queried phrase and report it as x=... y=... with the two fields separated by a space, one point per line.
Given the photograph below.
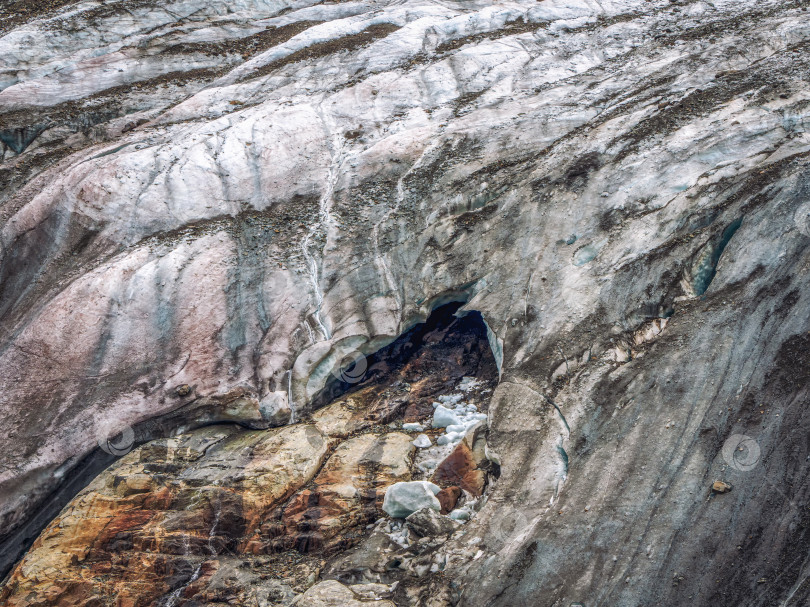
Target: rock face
x=248 y=199
x=350 y=488
x=163 y=514
x=225 y=515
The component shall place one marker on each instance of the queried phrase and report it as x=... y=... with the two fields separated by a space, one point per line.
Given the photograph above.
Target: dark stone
x=429 y=523
x=183 y=390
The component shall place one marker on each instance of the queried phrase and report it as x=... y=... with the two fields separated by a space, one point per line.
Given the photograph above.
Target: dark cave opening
x=442 y=333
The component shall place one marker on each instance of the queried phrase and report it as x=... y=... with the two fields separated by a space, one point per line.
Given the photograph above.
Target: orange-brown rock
x=448 y=497
x=159 y=518
x=462 y=467
x=158 y=525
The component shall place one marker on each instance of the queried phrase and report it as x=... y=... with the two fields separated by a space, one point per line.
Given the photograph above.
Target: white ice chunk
x=422 y=442
x=467 y=383
x=443 y=417
x=460 y=515
x=429 y=464
x=451 y=399
x=403 y=499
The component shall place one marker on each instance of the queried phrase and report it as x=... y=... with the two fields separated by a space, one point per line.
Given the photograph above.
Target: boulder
x=403 y=499
x=365 y=562
x=334 y=594
x=429 y=523
x=462 y=468
x=183 y=390
x=448 y=498
x=371 y=591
